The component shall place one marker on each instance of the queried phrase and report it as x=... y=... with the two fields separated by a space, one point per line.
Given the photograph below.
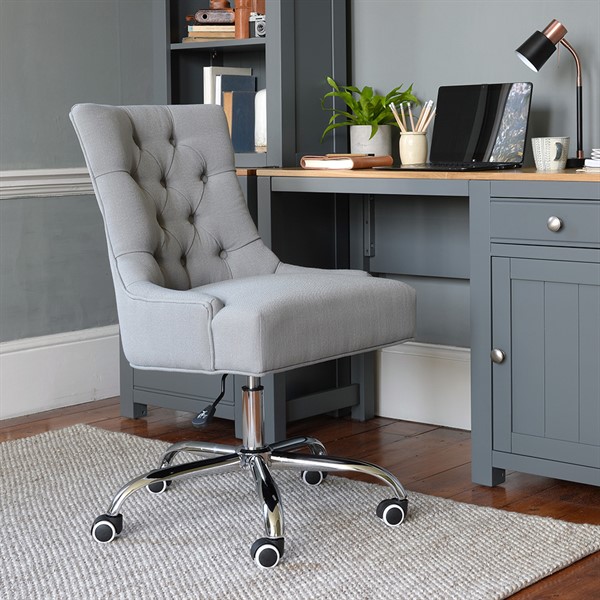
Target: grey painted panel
x=526 y=220
x=546 y=189
x=421 y=235
x=546 y=253
x=589 y=367
x=547 y=468
x=483 y=470
x=527 y=329
x=545 y=270
x=183 y=403
x=561 y=345
x=501 y=373
x=54 y=270
x=558 y=450
x=192 y=385
x=442 y=310
x=366 y=185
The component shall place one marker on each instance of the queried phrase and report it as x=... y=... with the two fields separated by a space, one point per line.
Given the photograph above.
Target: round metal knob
x=554 y=224
x=497 y=356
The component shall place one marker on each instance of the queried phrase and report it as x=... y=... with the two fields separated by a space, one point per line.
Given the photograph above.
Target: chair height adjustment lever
x=205 y=416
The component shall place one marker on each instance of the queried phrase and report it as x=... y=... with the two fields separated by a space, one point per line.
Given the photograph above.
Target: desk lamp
x=536 y=51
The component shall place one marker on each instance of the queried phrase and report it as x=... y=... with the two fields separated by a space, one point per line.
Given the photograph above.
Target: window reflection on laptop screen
x=481 y=123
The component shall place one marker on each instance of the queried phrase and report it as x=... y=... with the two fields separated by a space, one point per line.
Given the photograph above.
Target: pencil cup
x=413 y=147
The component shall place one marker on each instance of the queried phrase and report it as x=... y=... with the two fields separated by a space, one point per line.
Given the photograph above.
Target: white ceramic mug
x=413 y=147
x=550 y=153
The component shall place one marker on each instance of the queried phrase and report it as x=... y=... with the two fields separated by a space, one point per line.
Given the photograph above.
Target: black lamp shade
x=535 y=51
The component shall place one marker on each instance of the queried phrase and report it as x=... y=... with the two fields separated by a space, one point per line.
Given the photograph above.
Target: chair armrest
x=167 y=329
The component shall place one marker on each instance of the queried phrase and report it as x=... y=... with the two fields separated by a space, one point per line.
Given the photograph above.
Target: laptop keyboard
x=449 y=166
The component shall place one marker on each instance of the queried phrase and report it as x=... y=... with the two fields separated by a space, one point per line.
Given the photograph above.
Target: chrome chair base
x=259 y=460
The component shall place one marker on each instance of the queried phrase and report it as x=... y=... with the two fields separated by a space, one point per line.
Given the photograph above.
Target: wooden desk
x=534 y=296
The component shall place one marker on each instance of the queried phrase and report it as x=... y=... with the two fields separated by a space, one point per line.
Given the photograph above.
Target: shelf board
x=225 y=45
x=250 y=159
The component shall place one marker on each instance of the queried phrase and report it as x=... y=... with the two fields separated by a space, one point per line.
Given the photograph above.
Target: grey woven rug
x=193 y=542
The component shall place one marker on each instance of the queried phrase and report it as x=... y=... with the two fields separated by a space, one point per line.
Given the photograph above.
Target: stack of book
x=209 y=33
x=234 y=88
x=592 y=165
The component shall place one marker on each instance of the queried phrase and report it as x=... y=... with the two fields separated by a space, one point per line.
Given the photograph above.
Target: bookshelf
x=305 y=42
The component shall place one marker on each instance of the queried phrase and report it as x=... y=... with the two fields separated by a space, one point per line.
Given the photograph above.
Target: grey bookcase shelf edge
x=224 y=45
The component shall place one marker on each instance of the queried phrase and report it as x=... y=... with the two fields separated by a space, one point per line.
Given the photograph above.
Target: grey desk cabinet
x=544 y=276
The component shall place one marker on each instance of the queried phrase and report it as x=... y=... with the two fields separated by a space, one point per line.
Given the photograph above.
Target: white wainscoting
x=41 y=183
x=38 y=374
x=425 y=383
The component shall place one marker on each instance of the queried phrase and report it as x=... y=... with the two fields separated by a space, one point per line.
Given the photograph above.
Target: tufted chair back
x=165 y=181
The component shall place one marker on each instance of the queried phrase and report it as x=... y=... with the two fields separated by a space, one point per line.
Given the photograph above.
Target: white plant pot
x=379 y=145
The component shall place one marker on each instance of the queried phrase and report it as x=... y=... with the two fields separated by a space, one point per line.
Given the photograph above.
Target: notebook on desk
x=479 y=127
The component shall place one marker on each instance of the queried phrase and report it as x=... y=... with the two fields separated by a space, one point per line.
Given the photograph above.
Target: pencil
x=402 y=113
x=423 y=116
x=412 y=121
x=429 y=118
x=397 y=117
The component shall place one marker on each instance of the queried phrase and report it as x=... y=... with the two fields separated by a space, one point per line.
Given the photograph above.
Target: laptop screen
x=486 y=122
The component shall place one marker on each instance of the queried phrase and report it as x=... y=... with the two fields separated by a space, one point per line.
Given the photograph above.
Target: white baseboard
x=38 y=374
x=425 y=383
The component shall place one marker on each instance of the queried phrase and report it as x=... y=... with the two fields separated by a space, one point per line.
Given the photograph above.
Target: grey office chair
x=198 y=291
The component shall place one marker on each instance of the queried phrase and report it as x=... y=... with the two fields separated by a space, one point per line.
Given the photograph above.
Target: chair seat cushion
x=275 y=322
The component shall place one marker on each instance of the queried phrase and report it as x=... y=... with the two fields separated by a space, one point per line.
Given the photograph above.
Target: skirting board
x=425 y=383
x=38 y=374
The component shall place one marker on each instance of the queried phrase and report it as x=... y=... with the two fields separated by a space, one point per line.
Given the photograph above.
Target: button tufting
x=223 y=254
x=163 y=182
x=191 y=218
x=204 y=178
x=183 y=261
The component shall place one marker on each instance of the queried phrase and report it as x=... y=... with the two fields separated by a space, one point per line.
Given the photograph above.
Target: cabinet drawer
x=561 y=223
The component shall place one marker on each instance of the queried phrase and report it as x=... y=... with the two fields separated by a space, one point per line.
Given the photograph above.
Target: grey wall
x=53 y=269
x=54 y=274
x=442 y=42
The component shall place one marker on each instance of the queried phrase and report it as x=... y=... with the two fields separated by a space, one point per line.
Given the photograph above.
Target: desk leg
x=362 y=367
x=481 y=337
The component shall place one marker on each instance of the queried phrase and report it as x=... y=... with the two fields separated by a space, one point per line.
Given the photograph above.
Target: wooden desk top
x=528 y=174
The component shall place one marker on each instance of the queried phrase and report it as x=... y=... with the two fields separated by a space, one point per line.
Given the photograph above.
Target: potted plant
x=367 y=114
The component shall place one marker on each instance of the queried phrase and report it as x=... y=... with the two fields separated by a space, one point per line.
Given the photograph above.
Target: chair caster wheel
x=393 y=512
x=106 y=528
x=267 y=552
x=158 y=487
x=313 y=477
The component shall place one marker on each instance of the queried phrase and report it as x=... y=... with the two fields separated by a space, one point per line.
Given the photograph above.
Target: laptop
x=478 y=127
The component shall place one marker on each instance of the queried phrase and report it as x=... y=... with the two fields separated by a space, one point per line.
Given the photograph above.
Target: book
x=212 y=35
x=239 y=111
x=196 y=40
x=198 y=28
x=233 y=83
x=348 y=161
x=592 y=162
x=210 y=74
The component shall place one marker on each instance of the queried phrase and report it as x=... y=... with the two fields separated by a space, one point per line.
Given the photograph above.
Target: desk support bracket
x=368 y=225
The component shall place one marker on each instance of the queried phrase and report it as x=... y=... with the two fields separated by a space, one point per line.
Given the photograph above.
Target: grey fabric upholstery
x=196 y=288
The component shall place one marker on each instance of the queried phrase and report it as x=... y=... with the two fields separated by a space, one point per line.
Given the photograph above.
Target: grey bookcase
x=305 y=42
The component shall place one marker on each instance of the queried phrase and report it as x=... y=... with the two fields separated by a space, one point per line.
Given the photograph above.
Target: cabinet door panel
x=547 y=396
x=528 y=357
x=589 y=366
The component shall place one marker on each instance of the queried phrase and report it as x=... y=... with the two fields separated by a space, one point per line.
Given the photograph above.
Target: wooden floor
x=428 y=459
